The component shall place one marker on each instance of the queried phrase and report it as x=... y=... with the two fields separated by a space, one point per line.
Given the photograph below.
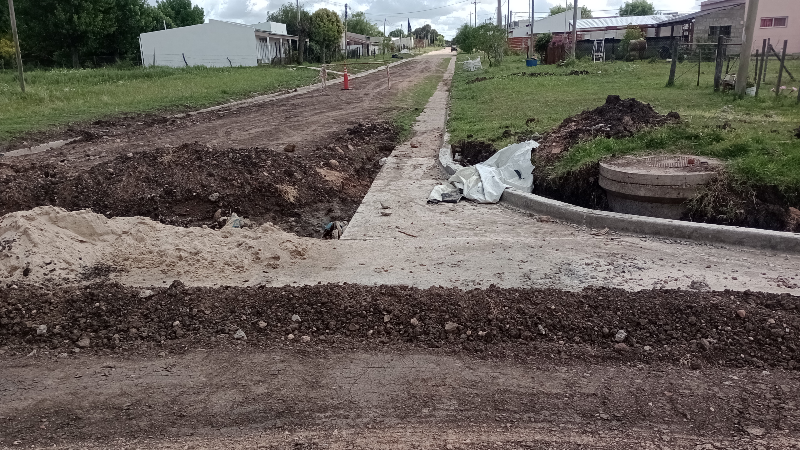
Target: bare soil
x=189 y=170
x=167 y=364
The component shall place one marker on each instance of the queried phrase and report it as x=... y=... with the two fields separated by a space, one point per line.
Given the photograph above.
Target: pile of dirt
x=193 y=185
x=50 y=245
x=473 y=152
x=552 y=74
x=617 y=118
x=726 y=201
x=478 y=80
x=695 y=328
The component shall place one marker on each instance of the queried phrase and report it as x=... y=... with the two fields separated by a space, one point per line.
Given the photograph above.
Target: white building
x=600 y=28
x=216 y=44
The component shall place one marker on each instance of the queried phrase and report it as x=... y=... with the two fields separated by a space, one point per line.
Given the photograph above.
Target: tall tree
x=637 y=8
x=397 y=33
x=326 y=29
x=182 y=12
x=586 y=13
x=131 y=18
x=287 y=14
x=358 y=23
x=5 y=19
x=52 y=27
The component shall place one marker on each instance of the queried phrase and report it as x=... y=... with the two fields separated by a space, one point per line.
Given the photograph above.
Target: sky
x=443 y=15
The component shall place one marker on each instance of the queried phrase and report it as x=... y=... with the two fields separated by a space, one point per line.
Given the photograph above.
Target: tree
x=182 y=13
x=358 y=23
x=326 y=29
x=5 y=19
x=397 y=33
x=131 y=18
x=50 y=28
x=466 y=38
x=542 y=43
x=637 y=8
x=287 y=14
x=586 y=13
x=492 y=41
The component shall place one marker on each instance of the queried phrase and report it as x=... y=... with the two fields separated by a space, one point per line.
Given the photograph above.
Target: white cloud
x=443 y=15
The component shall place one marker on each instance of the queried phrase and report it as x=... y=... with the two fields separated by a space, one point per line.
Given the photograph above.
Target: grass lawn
x=760 y=146
x=413 y=101
x=59 y=97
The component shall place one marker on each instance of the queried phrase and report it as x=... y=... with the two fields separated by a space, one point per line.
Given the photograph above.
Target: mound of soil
x=194 y=185
x=617 y=118
x=724 y=201
x=724 y=328
x=473 y=152
x=552 y=74
x=478 y=80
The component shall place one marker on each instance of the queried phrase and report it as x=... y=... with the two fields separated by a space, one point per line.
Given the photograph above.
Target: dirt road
x=392 y=367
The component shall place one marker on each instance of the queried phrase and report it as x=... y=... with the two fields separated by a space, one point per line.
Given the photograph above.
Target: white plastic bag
x=509 y=167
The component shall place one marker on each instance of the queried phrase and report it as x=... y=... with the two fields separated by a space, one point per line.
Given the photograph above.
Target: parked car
x=453 y=48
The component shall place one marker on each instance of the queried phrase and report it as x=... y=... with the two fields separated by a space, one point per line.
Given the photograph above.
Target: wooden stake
x=699 y=60
x=718 y=65
x=16 y=45
x=674 y=65
x=780 y=70
x=761 y=66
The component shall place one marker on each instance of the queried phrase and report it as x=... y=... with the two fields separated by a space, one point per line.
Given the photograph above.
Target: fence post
x=674 y=65
x=718 y=65
x=780 y=69
x=766 y=60
x=699 y=61
x=761 y=66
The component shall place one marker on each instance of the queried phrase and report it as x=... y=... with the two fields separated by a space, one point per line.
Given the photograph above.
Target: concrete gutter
x=676 y=229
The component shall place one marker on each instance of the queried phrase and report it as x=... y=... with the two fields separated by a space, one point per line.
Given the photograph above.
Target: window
x=770 y=22
x=719 y=30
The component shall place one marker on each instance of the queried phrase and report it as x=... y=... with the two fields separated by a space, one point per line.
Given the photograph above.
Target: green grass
x=760 y=147
x=58 y=97
x=410 y=104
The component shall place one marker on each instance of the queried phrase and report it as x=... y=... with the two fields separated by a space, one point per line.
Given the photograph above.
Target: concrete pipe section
x=655 y=186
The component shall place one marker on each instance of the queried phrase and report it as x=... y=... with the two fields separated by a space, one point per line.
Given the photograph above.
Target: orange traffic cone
x=346 y=84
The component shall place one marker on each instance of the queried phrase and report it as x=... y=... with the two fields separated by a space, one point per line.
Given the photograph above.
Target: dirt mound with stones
x=193 y=185
x=617 y=118
x=693 y=328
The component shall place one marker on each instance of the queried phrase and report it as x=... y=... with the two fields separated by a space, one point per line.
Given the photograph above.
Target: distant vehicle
x=453 y=48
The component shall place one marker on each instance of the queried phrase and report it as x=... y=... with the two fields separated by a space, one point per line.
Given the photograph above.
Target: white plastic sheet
x=473 y=64
x=485 y=182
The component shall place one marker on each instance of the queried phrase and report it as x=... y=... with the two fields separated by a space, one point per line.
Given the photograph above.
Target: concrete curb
x=675 y=229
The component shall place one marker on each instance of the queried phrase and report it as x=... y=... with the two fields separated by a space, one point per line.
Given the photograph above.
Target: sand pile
x=49 y=244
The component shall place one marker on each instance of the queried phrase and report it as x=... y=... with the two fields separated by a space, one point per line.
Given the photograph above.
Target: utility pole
x=499 y=16
x=574 y=28
x=747 y=47
x=470 y=17
x=476 y=12
x=16 y=44
x=531 y=45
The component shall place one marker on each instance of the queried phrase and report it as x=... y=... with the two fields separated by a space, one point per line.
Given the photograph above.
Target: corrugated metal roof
x=620 y=22
x=694 y=15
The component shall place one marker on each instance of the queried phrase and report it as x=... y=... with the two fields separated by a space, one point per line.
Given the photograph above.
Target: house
x=778 y=20
x=359 y=45
x=217 y=44
x=403 y=43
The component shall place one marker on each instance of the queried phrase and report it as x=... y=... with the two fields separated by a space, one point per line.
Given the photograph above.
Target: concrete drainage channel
x=669 y=228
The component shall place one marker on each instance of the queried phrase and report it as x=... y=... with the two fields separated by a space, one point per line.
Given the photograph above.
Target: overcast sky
x=443 y=15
